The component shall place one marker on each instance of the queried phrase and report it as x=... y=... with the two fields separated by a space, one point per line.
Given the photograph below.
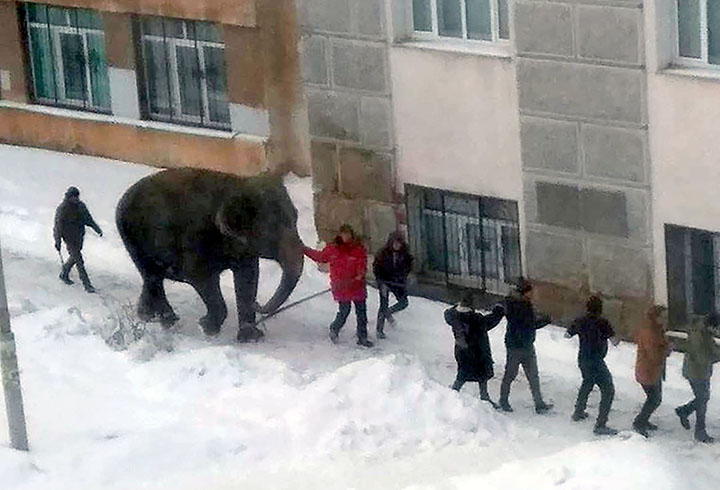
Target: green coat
x=700 y=353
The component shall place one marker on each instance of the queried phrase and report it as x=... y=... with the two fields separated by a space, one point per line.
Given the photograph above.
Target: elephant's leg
x=153 y=302
x=245 y=276
x=209 y=290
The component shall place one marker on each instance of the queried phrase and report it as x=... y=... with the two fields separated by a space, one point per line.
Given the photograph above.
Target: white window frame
x=435 y=34
x=701 y=62
x=170 y=44
x=55 y=31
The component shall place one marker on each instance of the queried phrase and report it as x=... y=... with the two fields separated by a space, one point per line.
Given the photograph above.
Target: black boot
x=604 y=430
x=364 y=342
x=683 y=415
x=578 y=416
x=66 y=279
x=90 y=289
x=543 y=407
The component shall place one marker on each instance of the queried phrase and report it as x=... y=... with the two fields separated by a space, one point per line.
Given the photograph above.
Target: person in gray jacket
x=701 y=353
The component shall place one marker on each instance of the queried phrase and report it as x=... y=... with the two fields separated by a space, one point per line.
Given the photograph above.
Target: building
x=572 y=141
x=569 y=141
x=181 y=83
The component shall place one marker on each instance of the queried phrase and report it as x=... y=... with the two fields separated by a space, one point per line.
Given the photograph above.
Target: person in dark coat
x=71 y=218
x=701 y=353
x=347 y=259
x=391 y=267
x=472 y=344
x=522 y=321
x=594 y=332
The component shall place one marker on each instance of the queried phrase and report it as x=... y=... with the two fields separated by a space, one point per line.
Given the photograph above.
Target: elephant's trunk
x=290 y=257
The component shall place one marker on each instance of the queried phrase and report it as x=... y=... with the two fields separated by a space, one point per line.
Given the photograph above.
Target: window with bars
x=184 y=67
x=698 y=23
x=479 y=20
x=464 y=240
x=66 y=49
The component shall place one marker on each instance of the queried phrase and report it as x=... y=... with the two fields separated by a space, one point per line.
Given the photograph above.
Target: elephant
x=190 y=225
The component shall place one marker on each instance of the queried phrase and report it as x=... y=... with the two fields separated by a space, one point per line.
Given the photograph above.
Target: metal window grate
x=66 y=52
x=465 y=240
x=184 y=71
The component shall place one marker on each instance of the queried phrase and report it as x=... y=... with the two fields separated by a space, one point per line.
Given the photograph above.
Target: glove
x=57 y=246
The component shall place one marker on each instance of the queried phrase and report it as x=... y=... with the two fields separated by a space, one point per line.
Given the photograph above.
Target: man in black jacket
x=71 y=218
x=594 y=332
x=520 y=344
x=391 y=267
x=472 y=344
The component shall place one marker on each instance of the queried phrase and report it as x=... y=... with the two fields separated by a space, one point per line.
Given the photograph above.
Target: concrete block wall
x=346 y=74
x=584 y=136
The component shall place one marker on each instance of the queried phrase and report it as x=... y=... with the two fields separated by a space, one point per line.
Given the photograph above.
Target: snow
x=115 y=404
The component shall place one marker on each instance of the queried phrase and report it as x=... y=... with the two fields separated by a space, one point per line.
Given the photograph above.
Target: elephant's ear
x=237 y=217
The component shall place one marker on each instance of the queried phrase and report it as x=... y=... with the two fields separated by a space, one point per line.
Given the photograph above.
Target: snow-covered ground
x=107 y=409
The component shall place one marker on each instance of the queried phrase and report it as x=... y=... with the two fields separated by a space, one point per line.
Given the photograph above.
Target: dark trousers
x=460 y=381
x=76 y=259
x=596 y=373
x=653 y=400
x=701 y=390
x=342 y=315
x=527 y=358
x=385 y=311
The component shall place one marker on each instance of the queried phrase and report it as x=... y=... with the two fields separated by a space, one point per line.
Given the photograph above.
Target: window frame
x=434 y=33
x=685 y=61
x=54 y=32
x=169 y=44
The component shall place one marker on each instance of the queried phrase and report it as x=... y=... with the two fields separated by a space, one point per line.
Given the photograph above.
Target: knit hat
x=72 y=192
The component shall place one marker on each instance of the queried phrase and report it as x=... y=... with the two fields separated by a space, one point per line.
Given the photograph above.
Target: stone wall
x=583 y=116
x=346 y=73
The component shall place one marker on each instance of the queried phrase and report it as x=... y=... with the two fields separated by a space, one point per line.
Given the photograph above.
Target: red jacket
x=348 y=263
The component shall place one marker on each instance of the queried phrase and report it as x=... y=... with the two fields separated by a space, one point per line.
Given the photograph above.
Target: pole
x=11 y=374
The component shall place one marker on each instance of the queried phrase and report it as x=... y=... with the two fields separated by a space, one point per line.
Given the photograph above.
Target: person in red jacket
x=348 y=263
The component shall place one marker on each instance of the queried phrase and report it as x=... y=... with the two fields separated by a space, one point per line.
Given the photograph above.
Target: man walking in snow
x=348 y=263
x=700 y=355
x=71 y=218
x=522 y=321
x=653 y=348
x=391 y=267
x=594 y=332
x=472 y=344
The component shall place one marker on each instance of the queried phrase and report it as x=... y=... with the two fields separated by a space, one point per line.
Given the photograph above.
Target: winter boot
x=66 y=279
x=363 y=342
x=505 y=406
x=641 y=429
x=333 y=336
x=604 y=430
x=704 y=438
x=683 y=415
x=543 y=407
x=90 y=289
x=578 y=416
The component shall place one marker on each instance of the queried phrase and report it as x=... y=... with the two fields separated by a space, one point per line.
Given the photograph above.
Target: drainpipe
x=11 y=374
x=289 y=142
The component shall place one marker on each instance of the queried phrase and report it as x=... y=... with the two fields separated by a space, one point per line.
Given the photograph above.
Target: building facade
x=569 y=141
x=185 y=83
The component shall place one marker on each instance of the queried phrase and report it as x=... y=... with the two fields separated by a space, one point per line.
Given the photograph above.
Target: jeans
x=596 y=373
x=76 y=259
x=701 y=390
x=360 y=313
x=385 y=312
x=653 y=400
x=527 y=358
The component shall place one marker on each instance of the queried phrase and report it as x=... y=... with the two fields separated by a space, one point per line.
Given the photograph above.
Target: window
x=693 y=272
x=184 y=64
x=66 y=48
x=480 y=20
x=465 y=240
x=699 y=31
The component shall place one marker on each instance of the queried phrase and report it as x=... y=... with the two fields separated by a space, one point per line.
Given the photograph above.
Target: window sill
x=138 y=123
x=705 y=73
x=473 y=48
